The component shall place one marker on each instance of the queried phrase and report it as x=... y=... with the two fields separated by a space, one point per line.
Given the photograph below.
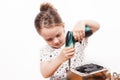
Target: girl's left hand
x=79 y=31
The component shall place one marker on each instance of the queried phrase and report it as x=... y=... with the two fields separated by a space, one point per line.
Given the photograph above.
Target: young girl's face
x=54 y=36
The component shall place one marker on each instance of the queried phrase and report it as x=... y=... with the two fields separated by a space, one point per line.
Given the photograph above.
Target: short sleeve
x=45 y=54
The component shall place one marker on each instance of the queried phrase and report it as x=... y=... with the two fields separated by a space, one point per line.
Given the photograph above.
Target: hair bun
x=46 y=6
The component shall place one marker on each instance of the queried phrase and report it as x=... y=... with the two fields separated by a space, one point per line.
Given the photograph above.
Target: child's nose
x=56 y=41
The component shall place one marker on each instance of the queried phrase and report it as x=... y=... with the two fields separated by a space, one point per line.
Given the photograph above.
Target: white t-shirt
x=47 y=54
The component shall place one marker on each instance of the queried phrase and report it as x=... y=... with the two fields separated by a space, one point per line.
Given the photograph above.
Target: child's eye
x=58 y=35
x=49 y=39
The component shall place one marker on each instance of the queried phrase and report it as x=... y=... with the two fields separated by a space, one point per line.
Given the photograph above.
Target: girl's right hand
x=66 y=53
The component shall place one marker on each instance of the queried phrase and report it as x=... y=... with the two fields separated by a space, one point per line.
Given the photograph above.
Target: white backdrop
x=20 y=43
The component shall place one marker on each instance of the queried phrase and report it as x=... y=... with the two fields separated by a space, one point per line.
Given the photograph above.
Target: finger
x=83 y=33
x=78 y=36
x=69 y=57
x=71 y=50
x=81 y=36
x=68 y=48
x=70 y=54
x=74 y=35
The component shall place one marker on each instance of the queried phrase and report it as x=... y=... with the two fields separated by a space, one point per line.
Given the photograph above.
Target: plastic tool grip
x=70 y=39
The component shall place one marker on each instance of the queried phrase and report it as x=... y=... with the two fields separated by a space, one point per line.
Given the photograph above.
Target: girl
x=54 y=56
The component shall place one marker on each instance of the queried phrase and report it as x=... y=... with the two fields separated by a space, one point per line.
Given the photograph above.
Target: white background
x=20 y=43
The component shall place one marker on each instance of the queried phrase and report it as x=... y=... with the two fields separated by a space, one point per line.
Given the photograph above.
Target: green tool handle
x=70 y=39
